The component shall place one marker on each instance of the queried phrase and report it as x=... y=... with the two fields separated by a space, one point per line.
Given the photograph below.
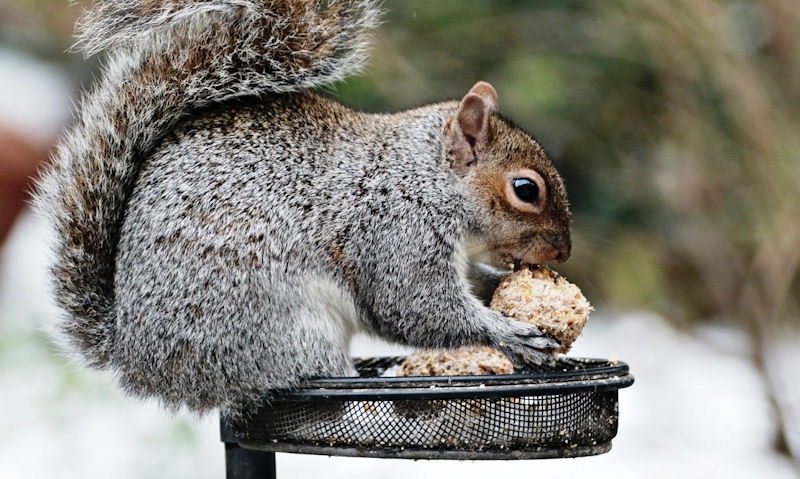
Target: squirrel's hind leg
x=229 y=348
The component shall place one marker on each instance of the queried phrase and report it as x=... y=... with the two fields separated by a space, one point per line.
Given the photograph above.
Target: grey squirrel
x=221 y=231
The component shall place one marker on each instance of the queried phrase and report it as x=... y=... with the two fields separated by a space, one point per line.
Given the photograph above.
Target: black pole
x=248 y=463
x=241 y=463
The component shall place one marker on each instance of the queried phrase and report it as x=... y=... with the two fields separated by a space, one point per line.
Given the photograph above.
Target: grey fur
x=213 y=260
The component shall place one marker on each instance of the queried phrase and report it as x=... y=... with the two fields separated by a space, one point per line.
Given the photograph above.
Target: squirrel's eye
x=526 y=189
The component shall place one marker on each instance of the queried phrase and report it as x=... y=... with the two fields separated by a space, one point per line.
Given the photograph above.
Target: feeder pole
x=241 y=463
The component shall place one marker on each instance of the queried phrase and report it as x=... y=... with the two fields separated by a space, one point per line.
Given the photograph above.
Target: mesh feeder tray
x=567 y=409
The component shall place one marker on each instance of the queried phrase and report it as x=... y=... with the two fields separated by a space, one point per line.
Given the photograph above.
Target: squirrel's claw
x=525 y=344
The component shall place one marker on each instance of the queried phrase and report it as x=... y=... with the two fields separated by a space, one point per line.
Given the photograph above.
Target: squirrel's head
x=521 y=200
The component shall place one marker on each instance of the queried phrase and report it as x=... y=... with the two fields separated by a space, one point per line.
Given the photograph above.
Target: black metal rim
x=592 y=375
x=582 y=368
x=459 y=392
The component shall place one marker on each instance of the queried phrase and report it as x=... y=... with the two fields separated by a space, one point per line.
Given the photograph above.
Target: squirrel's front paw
x=525 y=344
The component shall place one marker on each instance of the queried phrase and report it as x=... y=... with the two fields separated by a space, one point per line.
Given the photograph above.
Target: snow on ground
x=698 y=408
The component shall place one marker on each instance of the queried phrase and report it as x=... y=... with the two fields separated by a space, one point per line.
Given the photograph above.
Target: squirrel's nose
x=548 y=254
x=555 y=253
x=559 y=246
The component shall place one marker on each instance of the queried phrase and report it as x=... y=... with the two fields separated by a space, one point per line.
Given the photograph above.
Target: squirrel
x=221 y=231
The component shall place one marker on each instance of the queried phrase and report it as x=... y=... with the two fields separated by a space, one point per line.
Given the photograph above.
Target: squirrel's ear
x=469 y=130
x=487 y=93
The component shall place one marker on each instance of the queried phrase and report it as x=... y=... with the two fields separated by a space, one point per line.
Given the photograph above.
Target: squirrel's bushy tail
x=166 y=59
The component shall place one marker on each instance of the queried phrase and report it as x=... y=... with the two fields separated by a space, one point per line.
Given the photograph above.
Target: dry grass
x=725 y=161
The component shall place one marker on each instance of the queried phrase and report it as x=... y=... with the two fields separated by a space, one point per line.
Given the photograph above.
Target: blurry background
x=676 y=127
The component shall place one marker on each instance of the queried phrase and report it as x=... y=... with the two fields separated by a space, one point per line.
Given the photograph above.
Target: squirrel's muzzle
x=560 y=247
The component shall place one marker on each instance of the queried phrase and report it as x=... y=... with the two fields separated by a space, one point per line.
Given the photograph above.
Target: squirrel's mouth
x=534 y=256
x=535 y=250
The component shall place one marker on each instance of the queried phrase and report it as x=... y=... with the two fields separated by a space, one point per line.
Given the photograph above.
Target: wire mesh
x=533 y=418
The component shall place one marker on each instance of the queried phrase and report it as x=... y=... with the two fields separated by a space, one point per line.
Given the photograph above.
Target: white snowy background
x=698 y=409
